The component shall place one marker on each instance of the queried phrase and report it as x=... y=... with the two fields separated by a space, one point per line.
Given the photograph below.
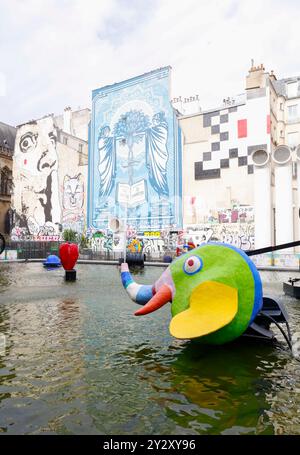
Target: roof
x=7 y=136
x=280 y=85
x=130 y=80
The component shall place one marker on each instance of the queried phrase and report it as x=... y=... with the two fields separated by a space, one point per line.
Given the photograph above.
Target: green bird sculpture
x=215 y=293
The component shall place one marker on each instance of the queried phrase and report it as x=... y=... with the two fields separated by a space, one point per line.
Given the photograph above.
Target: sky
x=53 y=53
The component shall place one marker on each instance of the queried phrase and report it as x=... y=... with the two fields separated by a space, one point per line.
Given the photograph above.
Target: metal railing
x=40 y=250
x=33 y=250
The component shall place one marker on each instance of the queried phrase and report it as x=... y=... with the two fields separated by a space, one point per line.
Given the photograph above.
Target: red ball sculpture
x=68 y=253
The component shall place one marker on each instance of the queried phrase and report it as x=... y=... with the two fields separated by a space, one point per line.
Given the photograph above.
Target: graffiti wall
x=233 y=225
x=108 y=242
x=158 y=243
x=135 y=155
x=239 y=235
x=154 y=243
x=49 y=191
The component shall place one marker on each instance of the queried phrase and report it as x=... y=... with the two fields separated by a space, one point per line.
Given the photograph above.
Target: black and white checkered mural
x=230 y=144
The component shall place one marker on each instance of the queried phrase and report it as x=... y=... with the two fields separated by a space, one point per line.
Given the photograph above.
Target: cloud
x=54 y=53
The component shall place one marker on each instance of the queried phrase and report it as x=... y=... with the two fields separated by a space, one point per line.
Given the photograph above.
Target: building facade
x=75 y=123
x=135 y=155
x=285 y=164
x=50 y=180
x=7 y=143
x=228 y=174
x=240 y=179
x=218 y=170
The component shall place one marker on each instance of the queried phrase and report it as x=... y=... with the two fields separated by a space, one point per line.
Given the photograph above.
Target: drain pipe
x=282 y=158
x=262 y=198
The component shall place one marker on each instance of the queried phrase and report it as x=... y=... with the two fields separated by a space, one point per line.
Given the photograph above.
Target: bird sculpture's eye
x=192 y=265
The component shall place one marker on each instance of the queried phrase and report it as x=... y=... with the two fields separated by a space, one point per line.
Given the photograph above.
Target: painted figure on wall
x=157 y=154
x=73 y=203
x=107 y=161
x=49 y=190
x=135 y=245
x=135 y=155
x=36 y=198
x=131 y=129
x=73 y=193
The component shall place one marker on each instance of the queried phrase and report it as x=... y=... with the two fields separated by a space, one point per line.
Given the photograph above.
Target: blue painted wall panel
x=135 y=155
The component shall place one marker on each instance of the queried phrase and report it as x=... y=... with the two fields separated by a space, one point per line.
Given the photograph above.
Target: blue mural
x=135 y=155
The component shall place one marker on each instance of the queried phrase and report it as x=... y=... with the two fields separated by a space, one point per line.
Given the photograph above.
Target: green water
x=77 y=361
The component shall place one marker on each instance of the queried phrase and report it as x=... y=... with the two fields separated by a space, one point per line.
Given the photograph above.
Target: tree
x=129 y=129
x=69 y=235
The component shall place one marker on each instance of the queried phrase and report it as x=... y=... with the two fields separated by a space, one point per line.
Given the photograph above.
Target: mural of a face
x=73 y=192
x=135 y=153
x=35 y=175
x=39 y=153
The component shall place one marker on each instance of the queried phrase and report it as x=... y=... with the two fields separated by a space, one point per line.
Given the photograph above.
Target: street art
x=240 y=235
x=135 y=245
x=236 y=234
x=154 y=246
x=36 y=198
x=135 y=155
x=234 y=226
x=73 y=203
x=49 y=193
x=19 y=233
x=108 y=242
x=238 y=214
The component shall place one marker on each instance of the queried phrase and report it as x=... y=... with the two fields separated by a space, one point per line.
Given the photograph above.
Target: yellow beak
x=212 y=306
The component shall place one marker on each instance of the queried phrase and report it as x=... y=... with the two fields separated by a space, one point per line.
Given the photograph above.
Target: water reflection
x=68 y=310
x=36 y=376
x=229 y=385
x=211 y=389
x=5 y=276
x=283 y=398
x=77 y=361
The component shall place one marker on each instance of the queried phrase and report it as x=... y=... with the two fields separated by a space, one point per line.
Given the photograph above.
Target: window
x=65 y=140
x=292 y=89
x=293 y=139
x=293 y=112
x=80 y=147
x=3 y=184
x=9 y=187
x=5 y=181
x=281 y=133
x=281 y=106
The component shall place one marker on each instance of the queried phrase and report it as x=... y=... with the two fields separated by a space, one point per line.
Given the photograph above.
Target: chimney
x=256 y=77
x=272 y=76
x=67 y=119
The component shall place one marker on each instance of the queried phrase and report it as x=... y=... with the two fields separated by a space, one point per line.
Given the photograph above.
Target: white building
x=74 y=122
x=50 y=176
x=240 y=167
